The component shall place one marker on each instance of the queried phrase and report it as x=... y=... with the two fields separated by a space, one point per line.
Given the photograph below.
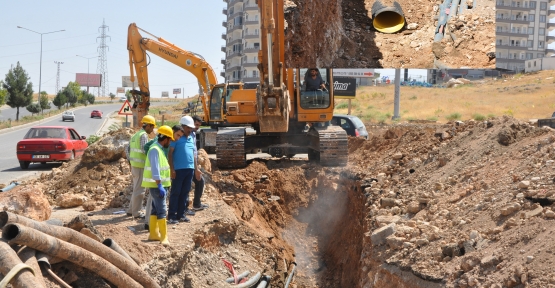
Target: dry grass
x=528 y=96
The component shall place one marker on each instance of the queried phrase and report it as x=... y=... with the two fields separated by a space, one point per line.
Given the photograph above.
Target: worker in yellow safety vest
x=156 y=177
x=137 y=156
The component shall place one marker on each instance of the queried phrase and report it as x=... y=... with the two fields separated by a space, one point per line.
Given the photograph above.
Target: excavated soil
x=342 y=36
x=462 y=204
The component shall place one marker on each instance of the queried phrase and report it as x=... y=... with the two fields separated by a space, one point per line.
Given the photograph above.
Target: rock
x=413 y=207
x=70 y=277
x=204 y=161
x=469 y=262
x=534 y=212
x=89 y=205
x=387 y=219
x=510 y=209
x=421 y=242
x=549 y=214
x=489 y=261
x=81 y=222
x=90 y=234
x=378 y=236
x=109 y=148
x=239 y=178
x=387 y=202
x=395 y=243
x=26 y=200
x=474 y=235
x=397 y=156
x=523 y=184
x=451 y=250
x=71 y=200
x=529 y=259
x=412 y=26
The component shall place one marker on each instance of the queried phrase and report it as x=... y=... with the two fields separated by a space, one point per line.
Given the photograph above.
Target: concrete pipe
x=9 y=260
x=111 y=243
x=76 y=238
x=17 y=233
x=28 y=256
x=387 y=16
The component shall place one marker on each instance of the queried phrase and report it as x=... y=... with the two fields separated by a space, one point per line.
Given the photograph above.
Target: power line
x=47 y=40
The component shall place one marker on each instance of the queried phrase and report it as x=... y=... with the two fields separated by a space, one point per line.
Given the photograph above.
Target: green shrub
x=453 y=116
x=432 y=118
x=382 y=119
x=413 y=97
x=91 y=139
x=478 y=117
x=491 y=115
x=509 y=112
x=343 y=105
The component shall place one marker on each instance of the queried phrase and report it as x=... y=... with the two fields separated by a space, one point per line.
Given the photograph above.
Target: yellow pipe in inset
x=387 y=18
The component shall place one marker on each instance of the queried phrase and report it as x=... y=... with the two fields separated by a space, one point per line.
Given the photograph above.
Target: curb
x=106 y=120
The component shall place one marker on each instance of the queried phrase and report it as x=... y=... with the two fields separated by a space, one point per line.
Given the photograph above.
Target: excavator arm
x=137 y=46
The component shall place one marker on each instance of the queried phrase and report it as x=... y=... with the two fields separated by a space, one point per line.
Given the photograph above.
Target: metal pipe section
x=28 y=256
x=8 y=260
x=110 y=243
x=9 y=187
x=239 y=277
x=17 y=233
x=58 y=279
x=270 y=66
x=249 y=283
x=387 y=18
x=264 y=281
x=76 y=238
x=291 y=274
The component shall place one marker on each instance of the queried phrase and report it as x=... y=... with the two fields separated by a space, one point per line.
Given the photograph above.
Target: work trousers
x=138 y=195
x=159 y=206
x=199 y=188
x=179 y=195
x=148 y=207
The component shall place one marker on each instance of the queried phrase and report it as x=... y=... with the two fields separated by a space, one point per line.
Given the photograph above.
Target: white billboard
x=126 y=82
x=176 y=90
x=165 y=94
x=359 y=73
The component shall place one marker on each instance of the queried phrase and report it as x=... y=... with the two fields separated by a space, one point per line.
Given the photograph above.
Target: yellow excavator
x=282 y=117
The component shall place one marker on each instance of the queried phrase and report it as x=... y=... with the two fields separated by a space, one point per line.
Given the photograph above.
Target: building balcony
x=222 y=73
x=234 y=54
x=251 y=79
x=237 y=27
x=224 y=11
x=251 y=7
x=234 y=41
x=250 y=64
x=223 y=61
x=252 y=36
x=224 y=36
x=509 y=33
x=549 y=50
x=252 y=22
x=223 y=49
x=511 y=6
x=512 y=20
x=224 y=24
x=234 y=68
x=510 y=47
x=251 y=50
x=549 y=37
x=550 y=25
x=235 y=14
x=233 y=2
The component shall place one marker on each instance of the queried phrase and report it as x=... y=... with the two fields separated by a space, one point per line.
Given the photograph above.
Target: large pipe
x=291 y=274
x=249 y=283
x=9 y=187
x=9 y=260
x=264 y=281
x=28 y=256
x=111 y=243
x=17 y=233
x=387 y=18
x=239 y=277
x=76 y=238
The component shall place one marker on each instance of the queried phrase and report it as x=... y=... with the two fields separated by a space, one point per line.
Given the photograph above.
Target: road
x=84 y=125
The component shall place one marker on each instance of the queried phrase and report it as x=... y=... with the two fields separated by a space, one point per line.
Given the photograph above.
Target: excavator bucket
x=273 y=110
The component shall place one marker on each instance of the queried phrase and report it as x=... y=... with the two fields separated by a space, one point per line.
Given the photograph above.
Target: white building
x=547 y=63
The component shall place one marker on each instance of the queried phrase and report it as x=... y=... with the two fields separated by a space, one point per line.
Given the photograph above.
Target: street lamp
x=88 y=75
x=40 y=69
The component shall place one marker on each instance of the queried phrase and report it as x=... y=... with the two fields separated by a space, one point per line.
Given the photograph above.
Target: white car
x=122 y=99
x=68 y=115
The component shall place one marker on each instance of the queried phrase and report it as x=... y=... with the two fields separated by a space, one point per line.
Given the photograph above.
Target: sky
x=193 y=27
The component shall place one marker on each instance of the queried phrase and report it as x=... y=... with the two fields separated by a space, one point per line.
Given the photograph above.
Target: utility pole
x=397 y=100
x=102 y=66
x=58 y=76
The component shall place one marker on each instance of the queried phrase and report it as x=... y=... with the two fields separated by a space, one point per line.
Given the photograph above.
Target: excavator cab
x=312 y=94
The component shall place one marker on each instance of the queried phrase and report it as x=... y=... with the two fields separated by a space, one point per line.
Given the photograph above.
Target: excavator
x=280 y=117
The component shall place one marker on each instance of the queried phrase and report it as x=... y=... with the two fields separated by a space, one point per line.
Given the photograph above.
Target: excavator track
x=329 y=145
x=230 y=148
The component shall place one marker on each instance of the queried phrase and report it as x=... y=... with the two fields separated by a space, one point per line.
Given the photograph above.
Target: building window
x=257 y=46
x=531 y=18
x=529 y=56
x=254 y=73
x=541 y=31
x=530 y=43
x=529 y=64
x=530 y=30
x=532 y=4
x=540 y=55
x=540 y=44
x=534 y=63
x=542 y=18
x=543 y=5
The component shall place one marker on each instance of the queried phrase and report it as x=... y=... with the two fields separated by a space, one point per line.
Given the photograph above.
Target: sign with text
x=176 y=90
x=120 y=90
x=344 y=87
x=165 y=94
x=360 y=73
x=125 y=109
x=126 y=82
x=88 y=80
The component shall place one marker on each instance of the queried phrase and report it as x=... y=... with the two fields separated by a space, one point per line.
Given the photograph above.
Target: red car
x=50 y=144
x=96 y=113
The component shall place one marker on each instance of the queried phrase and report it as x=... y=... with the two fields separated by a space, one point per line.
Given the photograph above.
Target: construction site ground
x=450 y=204
x=342 y=36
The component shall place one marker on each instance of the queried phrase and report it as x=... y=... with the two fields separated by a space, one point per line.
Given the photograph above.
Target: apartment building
x=522 y=32
x=242 y=41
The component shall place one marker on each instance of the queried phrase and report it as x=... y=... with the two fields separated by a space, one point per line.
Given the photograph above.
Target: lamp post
x=88 y=75
x=40 y=69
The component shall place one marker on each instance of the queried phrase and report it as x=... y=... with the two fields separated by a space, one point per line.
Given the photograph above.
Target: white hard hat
x=187 y=121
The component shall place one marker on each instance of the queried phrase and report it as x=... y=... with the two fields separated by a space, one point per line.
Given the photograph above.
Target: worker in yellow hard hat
x=137 y=156
x=156 y=177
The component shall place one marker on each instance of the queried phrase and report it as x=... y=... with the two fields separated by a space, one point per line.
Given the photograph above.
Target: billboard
x=176 y=90
x=126 y=82
x=344 y=87
x=120 y=90
x=360 y=73
x=88 y=80
x=165 y=94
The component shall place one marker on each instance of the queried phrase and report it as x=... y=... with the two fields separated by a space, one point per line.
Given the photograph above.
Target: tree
x=44 y=102
x=73 y=92
x=60 y=100
x=128 y=95
x=20 y=91
x=83 y=98
x=112 y=96
x=70 y=96
x=90 y=98
x=3 y=94
x=34 y=108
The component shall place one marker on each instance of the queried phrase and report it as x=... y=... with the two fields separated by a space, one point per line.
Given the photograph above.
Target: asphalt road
x=84 y=125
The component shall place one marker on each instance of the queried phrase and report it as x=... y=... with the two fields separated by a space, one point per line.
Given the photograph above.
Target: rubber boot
x=162 y=225
x=153 y=228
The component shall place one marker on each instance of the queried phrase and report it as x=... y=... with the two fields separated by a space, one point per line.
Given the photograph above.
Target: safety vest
x=136 y=155
x=164 y=170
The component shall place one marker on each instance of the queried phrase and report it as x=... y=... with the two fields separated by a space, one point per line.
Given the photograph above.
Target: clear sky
x=195 y=26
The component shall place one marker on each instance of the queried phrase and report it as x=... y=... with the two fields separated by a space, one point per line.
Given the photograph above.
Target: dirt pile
x=27 y=200
x=343 y=36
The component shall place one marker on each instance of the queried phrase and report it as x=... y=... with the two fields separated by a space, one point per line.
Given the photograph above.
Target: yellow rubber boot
x=153 y=228
x=162 y=225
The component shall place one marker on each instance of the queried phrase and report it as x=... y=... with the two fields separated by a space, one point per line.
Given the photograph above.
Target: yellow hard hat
x=166 y=131
x=147 y=119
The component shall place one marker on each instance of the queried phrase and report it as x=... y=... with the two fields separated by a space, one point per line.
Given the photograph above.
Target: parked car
x=96 y=113
x=351 y=124
x=50 y=144
x=68 y=115
x=122 y=99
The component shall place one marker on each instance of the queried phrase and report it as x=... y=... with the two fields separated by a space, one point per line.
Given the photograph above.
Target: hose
x=44 y=260
x=9 y=187
x=110 y=243
x=249 y=283
x=58 y=279
x=76 y=238
x=17 y=233
x=264 y=281
x=291 y=274
x=28 y=256
x=239 y=277
x=387 y=19
x=13 y=269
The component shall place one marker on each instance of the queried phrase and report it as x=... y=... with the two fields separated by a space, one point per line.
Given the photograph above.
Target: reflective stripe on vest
x=165 y=178
x=136 y=154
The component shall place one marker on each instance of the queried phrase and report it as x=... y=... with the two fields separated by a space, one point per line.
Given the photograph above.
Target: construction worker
x=137 y=158
x=156 y=177
x=177 y=133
